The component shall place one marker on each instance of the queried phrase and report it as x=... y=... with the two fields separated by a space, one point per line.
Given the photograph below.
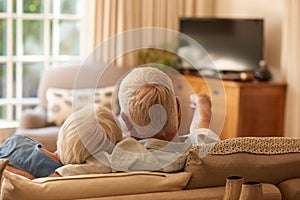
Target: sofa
x=274 y=161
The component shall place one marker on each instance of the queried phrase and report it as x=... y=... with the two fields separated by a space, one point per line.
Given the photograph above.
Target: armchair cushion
x=79 y=77
x=46 y=136
x=33 y=118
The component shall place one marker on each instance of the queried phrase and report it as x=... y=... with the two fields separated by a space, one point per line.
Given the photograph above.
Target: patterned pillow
x=263 y=159
x=63 y=102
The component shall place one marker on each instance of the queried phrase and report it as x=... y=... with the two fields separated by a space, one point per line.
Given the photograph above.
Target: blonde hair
x=146 y=96
x=86 y=133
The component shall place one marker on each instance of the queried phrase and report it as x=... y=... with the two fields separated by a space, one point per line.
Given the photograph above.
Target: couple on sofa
x=91 y=141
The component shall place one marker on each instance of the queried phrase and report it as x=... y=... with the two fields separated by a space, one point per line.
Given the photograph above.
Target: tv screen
x=232 y=44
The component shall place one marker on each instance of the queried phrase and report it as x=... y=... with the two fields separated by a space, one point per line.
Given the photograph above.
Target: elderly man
x=150 y=108
x=151 y=112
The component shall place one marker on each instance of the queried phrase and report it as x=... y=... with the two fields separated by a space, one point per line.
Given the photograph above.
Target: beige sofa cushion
x=269 y=160
x=290 y=189
x=91 y=186
x=270 y=192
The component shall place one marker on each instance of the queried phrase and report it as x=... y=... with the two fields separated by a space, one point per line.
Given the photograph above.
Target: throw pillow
x=263 y=159
x=91 y=186
x=63 y=102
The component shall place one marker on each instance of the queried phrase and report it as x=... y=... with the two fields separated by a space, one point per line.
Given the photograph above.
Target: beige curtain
x=291 y=66
x=195 y=8
x=113 y=17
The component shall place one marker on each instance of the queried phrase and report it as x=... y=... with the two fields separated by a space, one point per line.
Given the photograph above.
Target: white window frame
x=48 y=58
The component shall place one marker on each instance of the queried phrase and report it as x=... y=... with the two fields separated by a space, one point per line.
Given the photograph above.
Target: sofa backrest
x=78 y=77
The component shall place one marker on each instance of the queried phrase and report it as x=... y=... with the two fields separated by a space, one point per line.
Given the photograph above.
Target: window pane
x=14 y=37
x=3 y=5
x=14 y=6
x=3 y=112
x=25 y=107
x=69 y=6
x=14 y=112
x=33 y=6
x=69 y=38
x=33 y=37
x=51 y=37
x=14 y=80
x=31 y=77
x=3 y=37
x=3 y=81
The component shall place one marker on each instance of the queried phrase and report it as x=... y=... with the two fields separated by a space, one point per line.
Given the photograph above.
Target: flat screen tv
x=232 y=44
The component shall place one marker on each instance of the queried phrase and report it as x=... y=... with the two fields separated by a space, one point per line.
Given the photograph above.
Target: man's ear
x=126 y=121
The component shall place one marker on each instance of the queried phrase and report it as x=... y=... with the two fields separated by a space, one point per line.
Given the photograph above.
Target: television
x=234 y=45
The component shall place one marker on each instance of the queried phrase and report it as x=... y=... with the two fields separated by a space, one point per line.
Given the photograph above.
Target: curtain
x=195 y=8
x=113 y=17
x=291 y=66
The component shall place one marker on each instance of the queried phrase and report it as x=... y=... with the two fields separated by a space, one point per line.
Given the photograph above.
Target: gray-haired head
x=138 y=77
x=148 y=103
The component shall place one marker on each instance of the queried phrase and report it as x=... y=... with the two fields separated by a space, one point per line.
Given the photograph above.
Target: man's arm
x=199 y=131
x=202 y=114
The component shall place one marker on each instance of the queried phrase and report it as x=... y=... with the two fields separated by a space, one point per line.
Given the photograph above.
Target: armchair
x=34 y=123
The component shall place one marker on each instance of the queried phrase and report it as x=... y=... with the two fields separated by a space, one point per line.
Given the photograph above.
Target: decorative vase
x=263 y=73
x=233 y=187
x=251 y=190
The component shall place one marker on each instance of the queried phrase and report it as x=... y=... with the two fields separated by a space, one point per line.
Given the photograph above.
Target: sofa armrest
x=33 y=118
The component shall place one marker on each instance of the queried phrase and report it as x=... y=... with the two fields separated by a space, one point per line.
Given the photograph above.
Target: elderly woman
x=84 y=134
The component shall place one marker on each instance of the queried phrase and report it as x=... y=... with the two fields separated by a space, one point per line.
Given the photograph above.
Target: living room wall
x=272 y=12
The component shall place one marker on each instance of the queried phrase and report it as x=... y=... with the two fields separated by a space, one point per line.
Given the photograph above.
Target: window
x=34 y=35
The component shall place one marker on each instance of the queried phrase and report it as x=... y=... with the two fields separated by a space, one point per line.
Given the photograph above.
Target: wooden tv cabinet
x=251 y=108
